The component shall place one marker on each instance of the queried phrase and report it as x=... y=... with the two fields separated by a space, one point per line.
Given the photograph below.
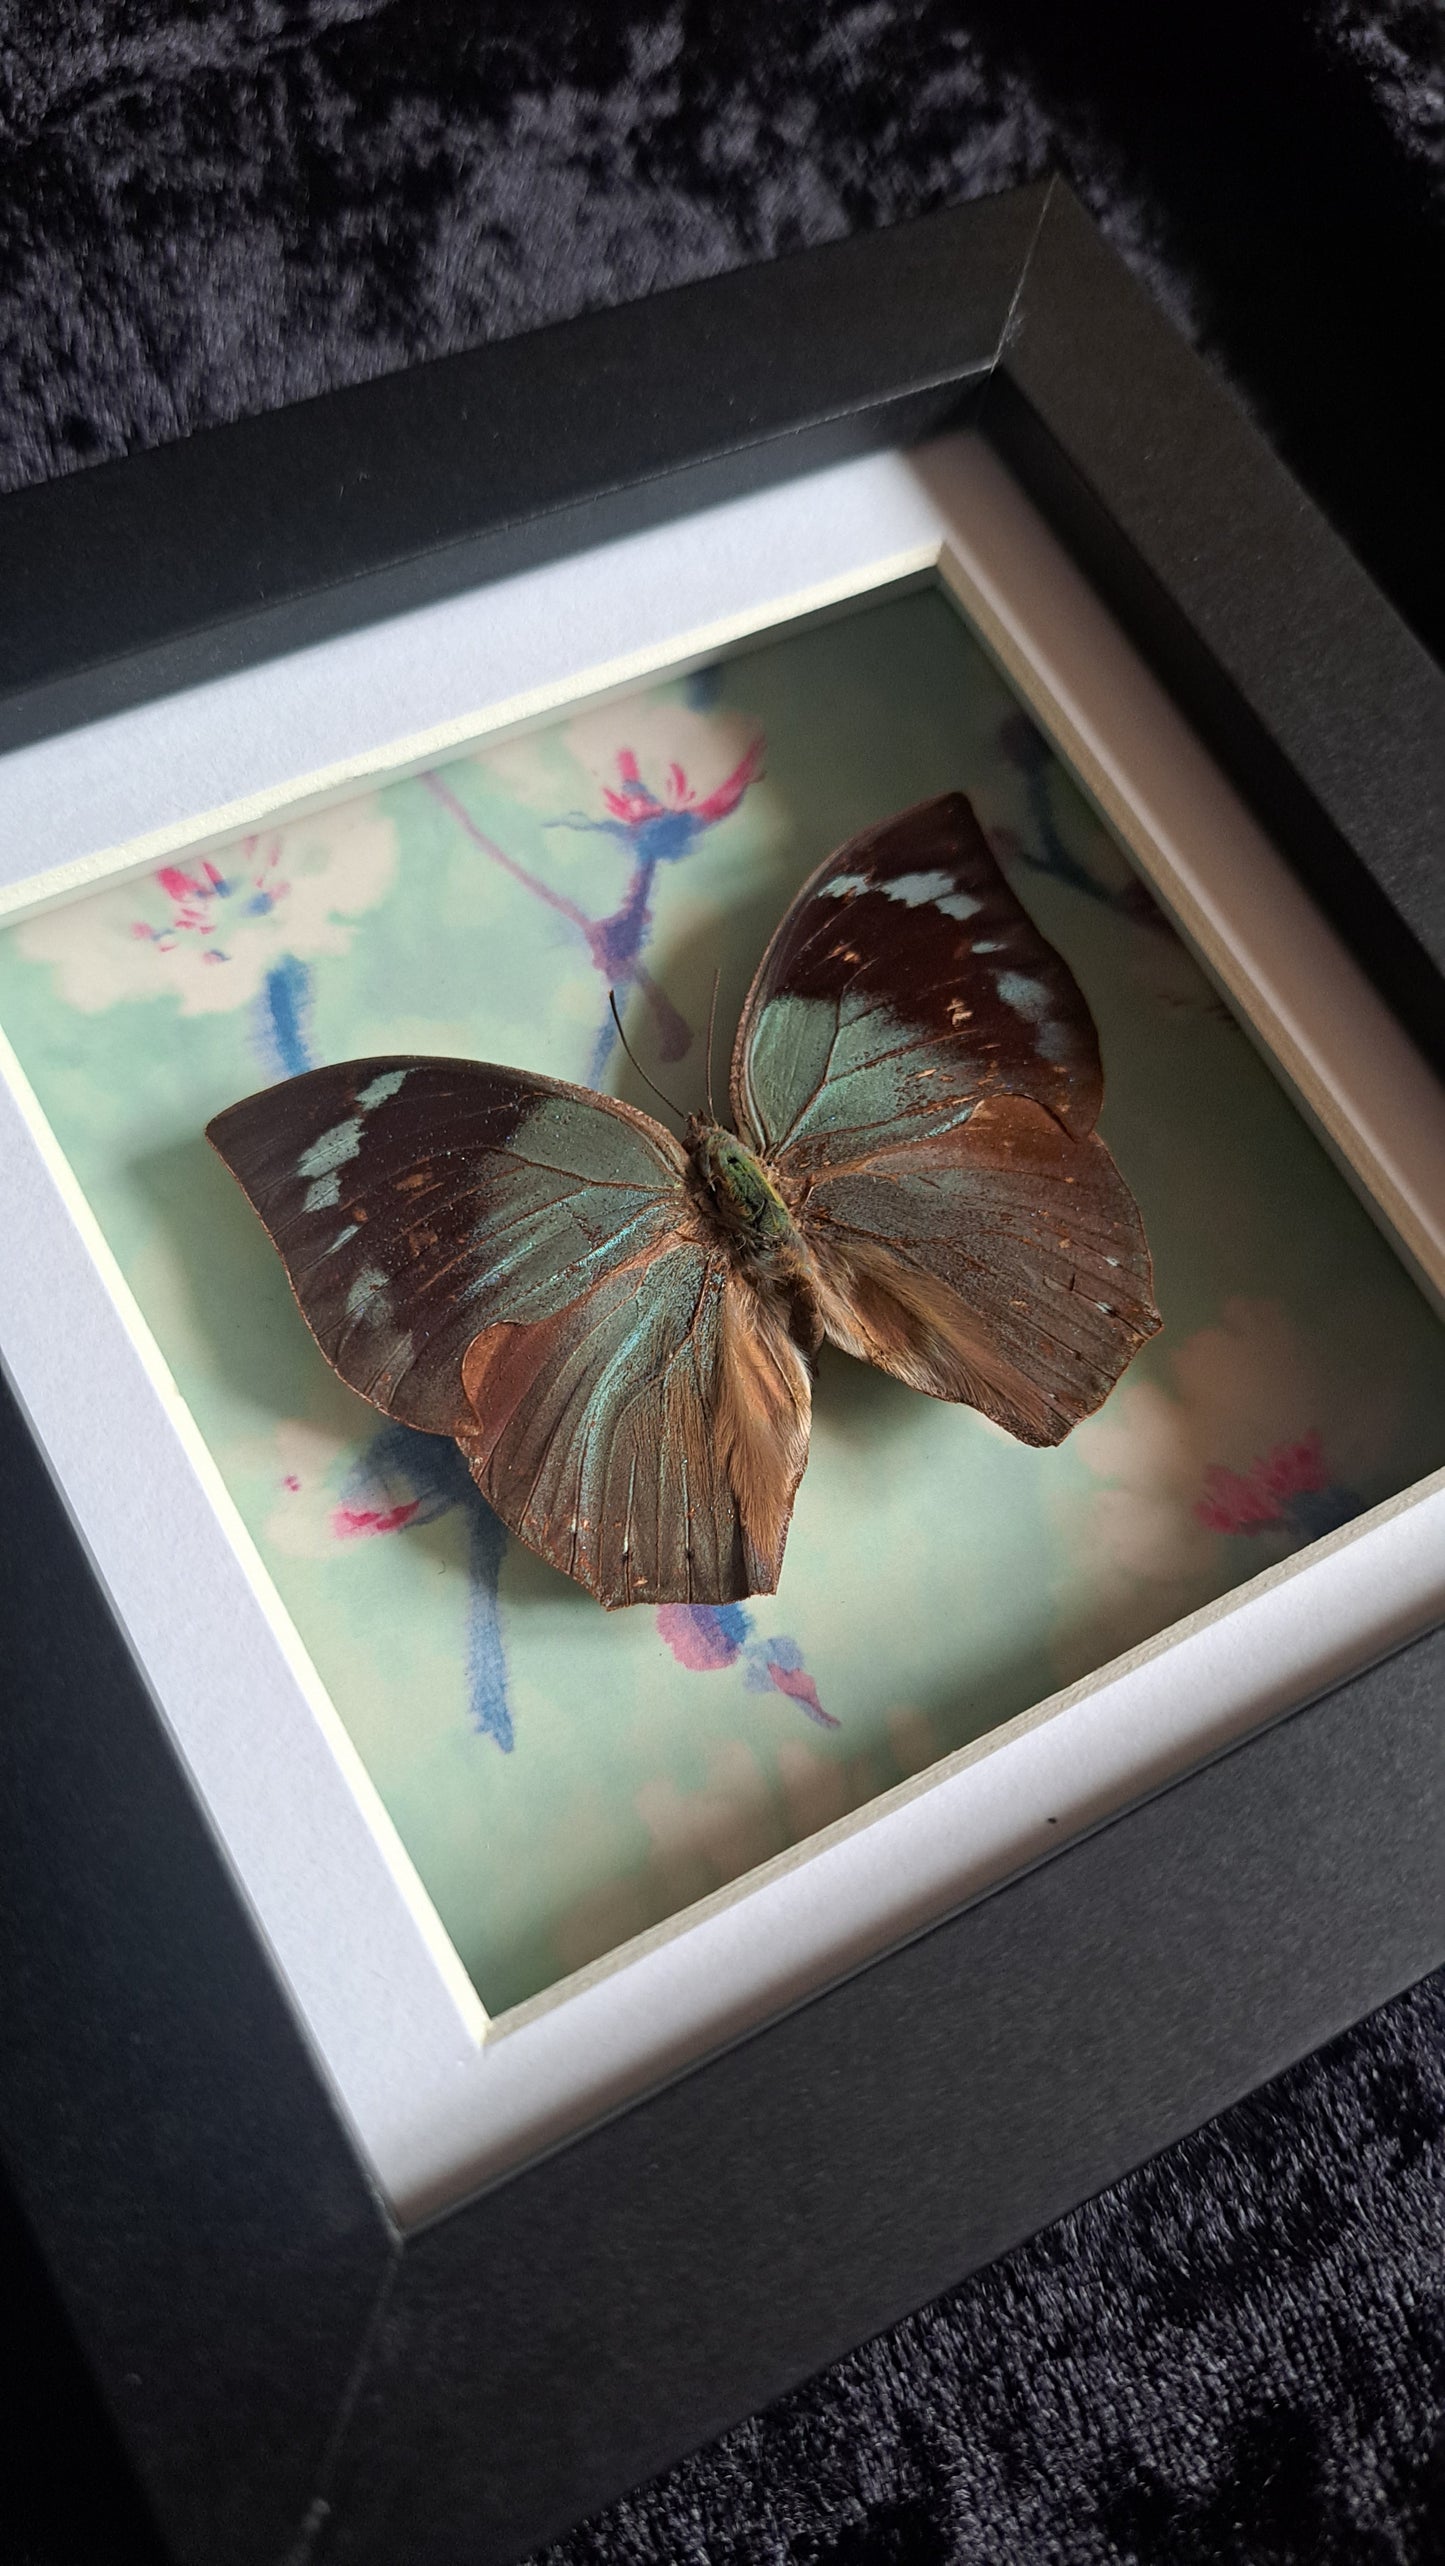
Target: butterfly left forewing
x=414 y=1200
x=921 y=1071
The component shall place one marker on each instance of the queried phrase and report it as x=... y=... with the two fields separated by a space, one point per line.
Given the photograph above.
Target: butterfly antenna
x=636 y=1063
x=711 y=1021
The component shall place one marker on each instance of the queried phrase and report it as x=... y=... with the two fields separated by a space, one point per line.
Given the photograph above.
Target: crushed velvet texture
x=1236 y=2357
x=207 y=207
x=206 y=210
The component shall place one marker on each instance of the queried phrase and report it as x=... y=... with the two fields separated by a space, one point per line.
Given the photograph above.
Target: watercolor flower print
x=241 y=928
x=652 y=777
x=330 y=1498
x=1255 y=1449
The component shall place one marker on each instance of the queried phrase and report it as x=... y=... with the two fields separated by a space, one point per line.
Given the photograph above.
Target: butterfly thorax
x=736 y=1186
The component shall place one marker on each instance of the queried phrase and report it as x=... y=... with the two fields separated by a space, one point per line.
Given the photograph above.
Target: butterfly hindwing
x=451 y=1227
x=653 y=1451
x=922 y=1072
x=1003 y=1265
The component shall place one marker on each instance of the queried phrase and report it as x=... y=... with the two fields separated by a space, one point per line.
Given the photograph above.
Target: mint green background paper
x=561 y=1777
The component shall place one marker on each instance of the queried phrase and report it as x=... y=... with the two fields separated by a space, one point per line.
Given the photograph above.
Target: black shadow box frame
x=293 y=2377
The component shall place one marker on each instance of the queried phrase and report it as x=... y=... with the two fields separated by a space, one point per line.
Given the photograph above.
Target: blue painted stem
x=618 y=943
x=285 y=1006
x=486 y=1655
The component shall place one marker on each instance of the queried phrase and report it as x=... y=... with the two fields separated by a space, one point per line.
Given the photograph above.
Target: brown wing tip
x=742 y=1593
x=953 y=810
x=225 y=1122
x=958 y=807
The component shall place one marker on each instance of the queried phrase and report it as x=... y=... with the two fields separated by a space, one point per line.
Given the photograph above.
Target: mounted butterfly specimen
x=618 y=1328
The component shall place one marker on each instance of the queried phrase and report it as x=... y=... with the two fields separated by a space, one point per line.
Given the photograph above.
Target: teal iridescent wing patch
x=649 y=1441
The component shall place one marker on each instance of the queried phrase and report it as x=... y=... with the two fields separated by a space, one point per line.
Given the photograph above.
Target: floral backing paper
x=563 y=1778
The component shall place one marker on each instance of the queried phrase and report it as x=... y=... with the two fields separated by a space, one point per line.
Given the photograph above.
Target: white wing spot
x=920 y=890
x=381 y=1089
x=369 y=1287
x=333 y=1149
x=1026 y=997
x=843 y=885
x=321 y=1194
x=915 y=890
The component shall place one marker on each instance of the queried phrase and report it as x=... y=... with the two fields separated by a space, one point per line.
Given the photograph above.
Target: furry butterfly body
x=618 y=1328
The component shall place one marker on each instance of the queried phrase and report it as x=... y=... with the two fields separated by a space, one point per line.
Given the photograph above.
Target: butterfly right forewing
x=922 y=1072
x=906 y=983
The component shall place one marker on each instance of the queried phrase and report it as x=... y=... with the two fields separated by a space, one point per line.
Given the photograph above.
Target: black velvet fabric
x=1238 y=2354
x=1236 y=2357
x=207 y=209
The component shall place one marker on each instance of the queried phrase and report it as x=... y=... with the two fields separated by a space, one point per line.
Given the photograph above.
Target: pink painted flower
x=1293 y=1469
x=1290 y=1486
x=1234 y=1503
x=354 y=1523
x=703 y=1637
x=668 y=823
x=798 y=1685
x=211 y=932
x=707 y=1637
